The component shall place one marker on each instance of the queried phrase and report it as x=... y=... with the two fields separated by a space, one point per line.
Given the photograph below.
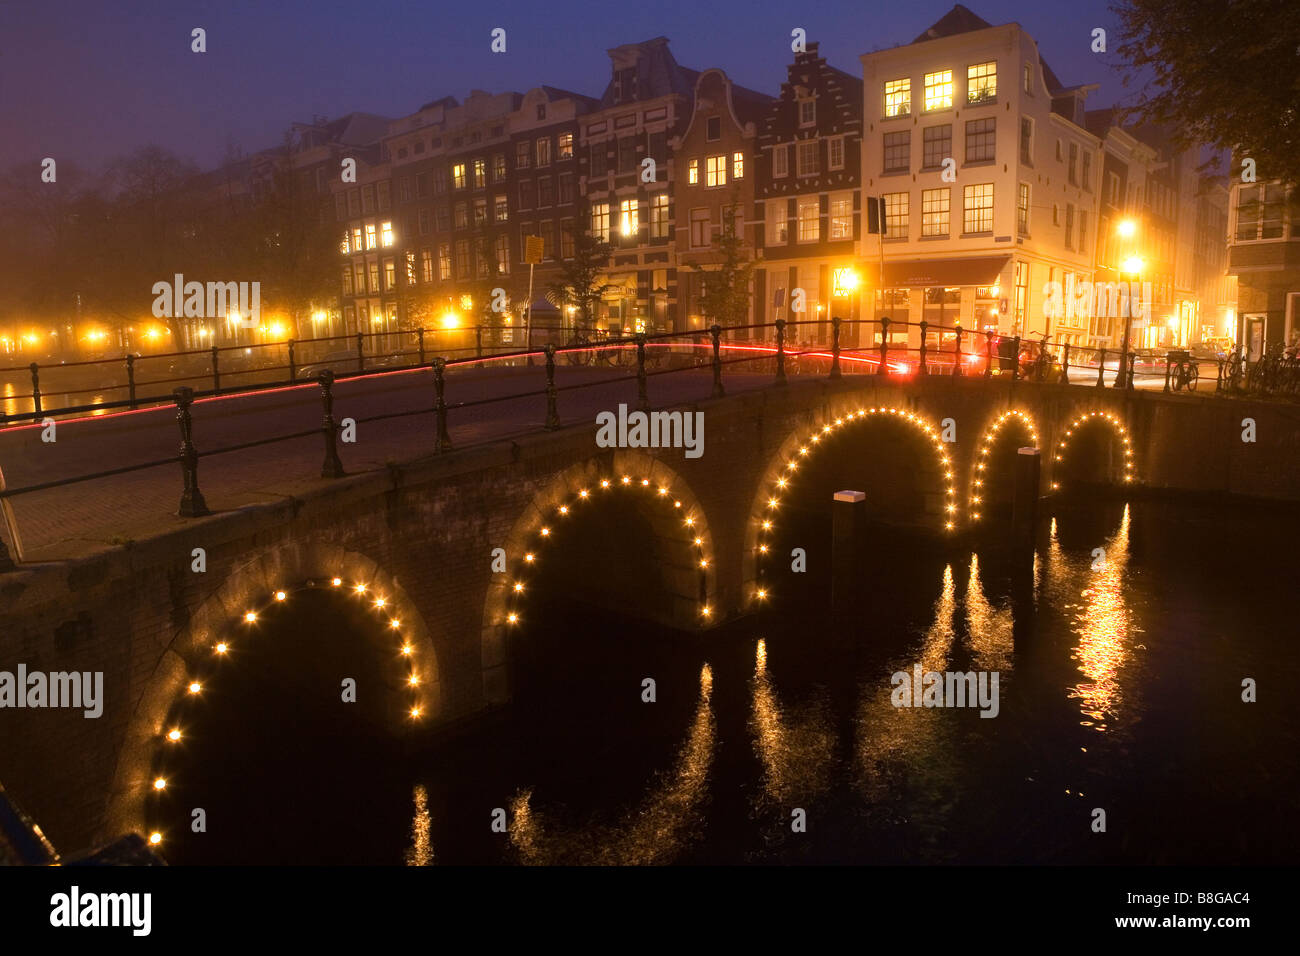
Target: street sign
x=533 y=249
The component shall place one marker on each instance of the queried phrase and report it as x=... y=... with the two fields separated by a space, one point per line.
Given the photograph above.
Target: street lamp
x=1133 y=266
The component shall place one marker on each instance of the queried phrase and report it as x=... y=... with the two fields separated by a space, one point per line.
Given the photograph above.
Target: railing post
x=835 y=346
x=883 y=368
x=332 y=467
x=1065 y=364
x=780 y=352
x=130 y=378
x=1167 y=369
x=216 y=370
x=361 y=353
x=478 y=341
x=1101 y=368
x=956 y=362
x=293 y=366
x=36 y=389
x=552 y=413
x=1132 y=361
x=923 y=369
x=192 y=503
x=642 y=398
x=420 y=334
x=988 y=354
x=1015 y=359
x=715 y=331
x=443 y=442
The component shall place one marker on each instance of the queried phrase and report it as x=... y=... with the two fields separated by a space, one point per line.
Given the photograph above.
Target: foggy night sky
x=86 y=80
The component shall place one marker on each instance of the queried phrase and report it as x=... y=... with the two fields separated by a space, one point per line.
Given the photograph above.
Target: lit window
x=503 y=255
x=809 y=220
x=898 y=97
x=480 y=173
x=356 y=239
x=444 y=261
x=841 y=209
x=777 y=226
x=458 y=176
x=938 y=90
x=934 y=212
x=715 y=171
x=699 y=227
x=544 y=151
x=978 y=208
x=981 y=83
x=370 y=236
x=628 y=222
x=480 y=212
x=1022 y=209
x=566 y=145
x=896 y=215
x=386 y=233
x=693 y=172
x=502 y=209
x=499 y=167
x=738 y=165
x=659 y=216
x=600 y=221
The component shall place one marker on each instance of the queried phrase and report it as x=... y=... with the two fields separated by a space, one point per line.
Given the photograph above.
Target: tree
x=724 y=295
x=581 y=283
x=1220 y=72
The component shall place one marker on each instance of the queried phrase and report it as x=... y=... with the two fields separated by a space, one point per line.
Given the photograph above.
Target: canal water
x=775 y=739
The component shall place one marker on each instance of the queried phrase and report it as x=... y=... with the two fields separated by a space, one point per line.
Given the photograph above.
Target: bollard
x=925 y=329
x=36 y=389
x=1132 y=362
x=1065 y=365
x=988 y=354
x=443 y=442
x=1101 y=368
x=420 y=343
x=552 y=413
x=293 y=366
x=332 y=467
x=130 y=378
x=835 y=347
x=1167 y=371
x=715 y=331
x=216 y=370
x=956 y=363
x=883 y=367
x=848 y=528
x=361 y=354
x=1015 y=359
x=780 y=352
x=1024 y=501
x=642 y=399
x=192 y=503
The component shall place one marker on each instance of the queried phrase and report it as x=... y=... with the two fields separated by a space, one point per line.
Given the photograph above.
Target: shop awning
x=927 y=273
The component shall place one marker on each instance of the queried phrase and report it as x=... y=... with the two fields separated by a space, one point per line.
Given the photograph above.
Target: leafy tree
x=1222 y=72
x=725 y=283
x=581 y=283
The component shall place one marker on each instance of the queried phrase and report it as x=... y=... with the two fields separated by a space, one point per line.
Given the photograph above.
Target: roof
x=957 y=20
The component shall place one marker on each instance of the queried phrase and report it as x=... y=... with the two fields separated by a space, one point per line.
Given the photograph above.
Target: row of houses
x=996 y=184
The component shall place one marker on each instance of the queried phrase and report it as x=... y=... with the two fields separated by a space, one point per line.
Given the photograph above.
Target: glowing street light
x=1127 y=228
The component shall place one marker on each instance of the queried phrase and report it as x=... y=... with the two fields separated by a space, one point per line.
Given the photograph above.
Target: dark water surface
x=1120 y=688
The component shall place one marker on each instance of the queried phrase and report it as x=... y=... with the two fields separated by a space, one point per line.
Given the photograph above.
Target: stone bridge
x=421 y=536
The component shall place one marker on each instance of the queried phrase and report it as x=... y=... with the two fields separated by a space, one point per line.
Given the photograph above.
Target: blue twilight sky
x=86 y=80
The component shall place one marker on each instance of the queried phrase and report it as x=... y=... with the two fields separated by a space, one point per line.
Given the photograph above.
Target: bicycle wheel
x=1193 y=376
x=581 y=355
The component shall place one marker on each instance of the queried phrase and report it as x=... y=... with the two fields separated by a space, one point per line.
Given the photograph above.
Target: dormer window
x=807 y=112
x=713 y=129
x=625 y=84
x=541 y=111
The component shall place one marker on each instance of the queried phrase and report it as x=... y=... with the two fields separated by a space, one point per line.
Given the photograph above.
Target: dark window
x=545 y=192
x=422 y=184
x=980 y=140
x=526 y=194
x=936 y=145
x=566 y=188
x=626 y=154
x=898 y=152
x=625 y=84
x=598 y=160
x=659 y=147
x=714 y=129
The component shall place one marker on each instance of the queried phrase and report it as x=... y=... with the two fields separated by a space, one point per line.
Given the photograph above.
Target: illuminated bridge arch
x=1011 y=418
x=1061 y=452
x=782 y=476
x=227 y=621
x=666 y=502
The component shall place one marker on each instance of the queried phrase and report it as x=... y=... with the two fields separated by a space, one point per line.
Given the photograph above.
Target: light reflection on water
x=656 y=831
x=796 y=749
